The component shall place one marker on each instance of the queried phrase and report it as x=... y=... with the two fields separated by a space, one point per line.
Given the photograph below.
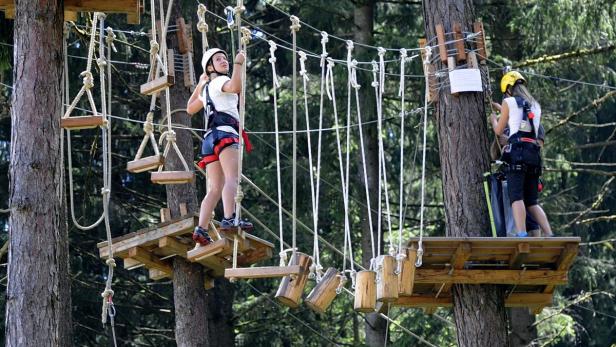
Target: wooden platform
x=529 y=267
x=153 y=247
x=132 y=8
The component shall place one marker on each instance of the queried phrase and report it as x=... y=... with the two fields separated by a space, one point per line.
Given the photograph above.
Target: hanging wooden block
x=365 y=291
x=172 y=177
x=162 y=82
x=324 y=292
x=82 y=122
x=263 y=272
x=145 y=164
x=442 y=48
x=387 y=285
x=407 y=273
x=481 y=41
x=291 y=288
x=459 y=44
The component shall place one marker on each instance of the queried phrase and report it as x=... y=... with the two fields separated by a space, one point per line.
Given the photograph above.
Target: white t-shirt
x=223 y=101
x=517 y=113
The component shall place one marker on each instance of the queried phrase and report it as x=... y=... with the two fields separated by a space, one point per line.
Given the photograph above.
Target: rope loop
x=101 y=62
x=202 y=27
x=342 y=282
x=246 y=35
x=353 y=76
x=349 y=44
x=302 y=64
x=111 y=36
x=148 y=126
x=107 y=294
x=201 y=10
x=283 y=257
x=88 y=79
x=420 y=252
x=111 y=262
x=381 y=51
x=272 y=49
x=154 y=47
x=400 y=259
x=294 y=23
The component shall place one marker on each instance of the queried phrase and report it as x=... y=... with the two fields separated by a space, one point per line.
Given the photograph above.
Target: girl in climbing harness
x=521 y=113
x=217 y=94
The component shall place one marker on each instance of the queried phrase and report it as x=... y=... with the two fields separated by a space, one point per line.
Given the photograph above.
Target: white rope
x=294 y=28
x=350 y=84
x=400 y=256
x=202 y=25
x=420 y=251
x=275 y=85
x=244 y=38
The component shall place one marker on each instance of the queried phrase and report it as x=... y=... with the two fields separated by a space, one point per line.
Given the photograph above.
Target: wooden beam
x=148 y=236
x=131 y=7
x=564 y=262
x=459 y=44
x=145 y=164
x=263 y=272
x=149 y=260
x=81 y=122
x=131 y=264
x=156 y=274
x=457 y=261
x=442 y=48
x=519 y=256
x=157 y=85
x=212 y=249
x=514 y=300
x=528 y=277
x=169 y=245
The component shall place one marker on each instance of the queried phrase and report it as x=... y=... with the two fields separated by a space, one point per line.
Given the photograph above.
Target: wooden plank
x=149 y=260
x=131 y=7
x=131 y=264
x=165 y=214
x=514 y=300
x=528 y=277
x=519 y=256
x=81 y=122
x=157 y=85
x=263 y=272
x=145 y=164
x=459 y=44
x=156 y=274
x=495 y=241
x=481 y=41
x=183 y=209
x=442 y=48
x=149 y=236
x=429 y=72
x=182 y=35
x=171 y=246
x=172 y=177
x=213 y=248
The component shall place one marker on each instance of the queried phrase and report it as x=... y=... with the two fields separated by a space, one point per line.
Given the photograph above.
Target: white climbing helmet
x=209 y=54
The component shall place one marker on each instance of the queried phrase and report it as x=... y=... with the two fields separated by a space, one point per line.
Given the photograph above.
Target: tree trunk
x=523 y=332
x=375 y=326
x=38 y=309
x=462 y=134
x=201 y=318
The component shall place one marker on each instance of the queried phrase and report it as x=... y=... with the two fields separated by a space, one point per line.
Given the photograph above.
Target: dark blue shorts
x=213 y=143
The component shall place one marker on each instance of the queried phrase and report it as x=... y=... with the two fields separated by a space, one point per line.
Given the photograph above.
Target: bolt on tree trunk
x=38 y=311
x=463 y=150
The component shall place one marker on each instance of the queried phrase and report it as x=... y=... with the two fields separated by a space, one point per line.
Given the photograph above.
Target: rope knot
x=111 y=262
x=170 y=136
x=201 y=9
x=101 y=15
x=105 y=191
x=403 y=54
x=400 y=258
x=202 y=26
x=349 y=45
x=324 y=38
x=392 y=250
x=246 y=35
x=302 y=63
x=294 y=23
x=111 y=36
x=101 y=62
x=381 y=51
x=88 y=79
x=107 y=293
x=341 y=283
x=312 y=275
x=283 y=258
x=419 y=256
x=154 y=47
x=148 y=127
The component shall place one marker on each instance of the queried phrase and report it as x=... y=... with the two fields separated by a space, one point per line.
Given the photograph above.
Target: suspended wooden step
x=263 y=272
x=152 y=248
x=172 y=177
x=387 y=283
x=157 y=85
x=145 y=164
x=292 y=287
x=532 y=267
x=324 y=292
x=132 y=8
x=365 y=291
x=82 y=122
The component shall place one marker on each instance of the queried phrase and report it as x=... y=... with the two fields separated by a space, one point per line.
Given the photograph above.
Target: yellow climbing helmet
x=510 y=79
x=209 y=54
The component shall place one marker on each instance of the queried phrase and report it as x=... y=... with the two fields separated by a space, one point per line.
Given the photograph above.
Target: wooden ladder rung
x=145 y=164
x=263 y=272
x=82 y=122
x=157 y=85
x=172 y=177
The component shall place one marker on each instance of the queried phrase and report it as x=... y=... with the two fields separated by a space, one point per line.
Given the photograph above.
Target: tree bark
x=463 y=151
x=363 y=17
x=523 y=332
x=201 y=318
x=38 y=311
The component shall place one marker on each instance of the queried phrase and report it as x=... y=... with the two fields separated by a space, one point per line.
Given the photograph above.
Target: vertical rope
x=239 y=195
x=275 y=85
x=401 y=93
x=294 y=28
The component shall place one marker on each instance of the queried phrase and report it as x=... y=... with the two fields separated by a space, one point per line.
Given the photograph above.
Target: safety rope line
x=275 y=86
x=316 y=270
x=243 y=38
x=377 y=87
x=400 y=256
x=352 y=83
x=295 y=26
x=331 y=94
x=420 y=251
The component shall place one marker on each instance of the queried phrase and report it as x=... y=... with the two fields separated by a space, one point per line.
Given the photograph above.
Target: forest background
x=579 y=160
